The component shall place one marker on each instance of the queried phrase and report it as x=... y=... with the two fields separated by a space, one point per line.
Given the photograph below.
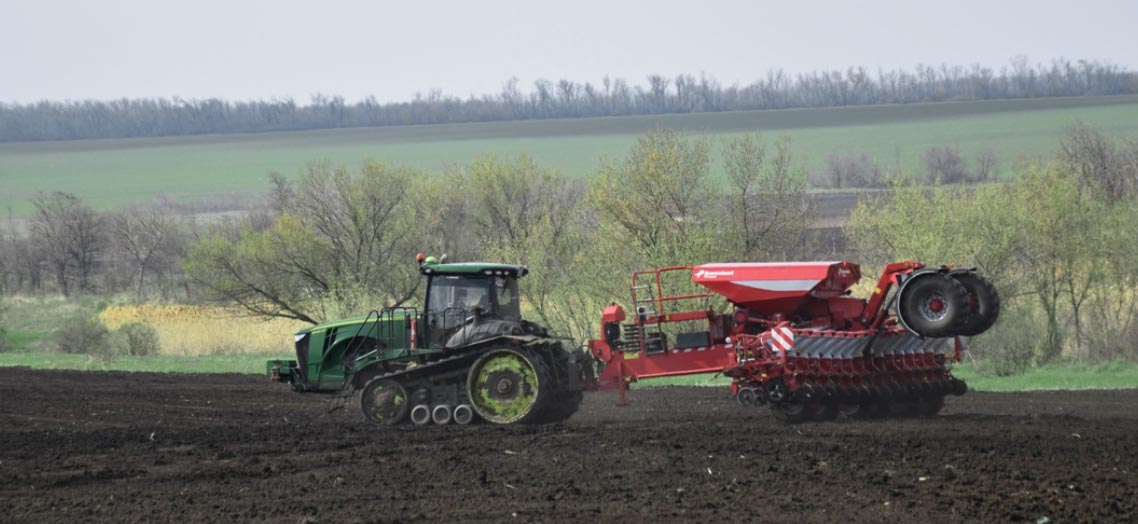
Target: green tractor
x=467 y=355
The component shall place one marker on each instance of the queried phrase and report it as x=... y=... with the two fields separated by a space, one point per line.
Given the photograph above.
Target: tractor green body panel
x=370 y=337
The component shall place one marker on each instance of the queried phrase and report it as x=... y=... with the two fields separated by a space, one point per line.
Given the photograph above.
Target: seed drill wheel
x=508 y=386
x=934 y=305
x=826 y=411
x=384 y=402
x=854 y=410
x=791 y=412
x=985 y=302
x=930 y=406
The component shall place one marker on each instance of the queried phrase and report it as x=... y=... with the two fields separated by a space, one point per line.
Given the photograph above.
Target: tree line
x=660 y=94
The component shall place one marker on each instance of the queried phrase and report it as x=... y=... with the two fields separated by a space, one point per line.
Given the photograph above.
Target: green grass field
x=1117 y=375
x=109 y=173
x=244 y=364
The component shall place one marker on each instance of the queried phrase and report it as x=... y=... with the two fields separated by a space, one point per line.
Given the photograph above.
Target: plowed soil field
x=78 y=446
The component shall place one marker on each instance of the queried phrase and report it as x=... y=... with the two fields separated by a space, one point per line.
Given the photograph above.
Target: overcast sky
x=244 y=49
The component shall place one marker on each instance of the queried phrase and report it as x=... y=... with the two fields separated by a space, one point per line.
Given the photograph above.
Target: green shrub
x=136 y=339
x=84 y=335
x=1010 y=347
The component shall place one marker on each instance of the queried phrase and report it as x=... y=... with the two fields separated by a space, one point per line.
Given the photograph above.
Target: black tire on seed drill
x=930 y=406
x=790 y=412
x=985 y=303
x=826 y=411
x=923 y=289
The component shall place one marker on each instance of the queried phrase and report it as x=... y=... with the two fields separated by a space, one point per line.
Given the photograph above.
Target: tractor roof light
x=420 y=258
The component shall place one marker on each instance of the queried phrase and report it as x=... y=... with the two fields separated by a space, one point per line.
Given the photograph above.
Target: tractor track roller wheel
x=384 y=402
x=462 y=414
x=421 y=415
x=985 y=302
x=441 y=414
x=934 y=305
x=510 y=386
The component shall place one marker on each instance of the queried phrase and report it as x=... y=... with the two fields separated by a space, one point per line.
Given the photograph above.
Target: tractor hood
x=350 y=321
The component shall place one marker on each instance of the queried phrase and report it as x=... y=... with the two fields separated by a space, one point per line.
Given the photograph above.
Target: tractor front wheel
x=384 y=402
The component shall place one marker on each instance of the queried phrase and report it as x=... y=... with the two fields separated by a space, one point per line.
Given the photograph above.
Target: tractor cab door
x=451 y=299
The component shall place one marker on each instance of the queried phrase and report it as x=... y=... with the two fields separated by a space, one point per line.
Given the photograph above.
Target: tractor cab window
x=506 y=299
x=452 y=299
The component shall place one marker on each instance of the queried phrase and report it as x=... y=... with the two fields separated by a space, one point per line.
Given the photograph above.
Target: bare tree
x=149 y=236
x=945 y=165
x=70 y=235
x=342 y=245
x=1101 y=164
x=986 y=164
x=768 y=196
x=852 y=170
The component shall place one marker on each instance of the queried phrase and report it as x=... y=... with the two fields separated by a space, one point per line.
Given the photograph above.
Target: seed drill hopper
x=794 y=338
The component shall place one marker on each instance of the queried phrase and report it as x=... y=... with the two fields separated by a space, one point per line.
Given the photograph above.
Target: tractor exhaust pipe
x=462 y=414
x=420 y=415
x=441 y=414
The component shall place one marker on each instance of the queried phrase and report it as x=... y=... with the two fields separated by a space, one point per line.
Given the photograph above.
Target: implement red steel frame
x=672 y=362
x=621 y=369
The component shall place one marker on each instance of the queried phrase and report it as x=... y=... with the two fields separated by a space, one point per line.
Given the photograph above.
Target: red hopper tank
x=777 y=287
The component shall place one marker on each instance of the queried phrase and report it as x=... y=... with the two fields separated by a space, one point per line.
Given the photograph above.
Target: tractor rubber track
x=562 y=405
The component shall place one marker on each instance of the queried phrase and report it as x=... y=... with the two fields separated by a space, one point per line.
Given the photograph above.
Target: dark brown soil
x=150 y=447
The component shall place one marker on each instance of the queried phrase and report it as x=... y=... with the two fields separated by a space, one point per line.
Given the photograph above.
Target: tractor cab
x=463 y=294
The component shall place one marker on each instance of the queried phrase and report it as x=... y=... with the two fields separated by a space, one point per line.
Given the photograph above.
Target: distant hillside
x=222 y=171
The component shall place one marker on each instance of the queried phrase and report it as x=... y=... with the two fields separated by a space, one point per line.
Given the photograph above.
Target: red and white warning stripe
x=689 y=350
x=782 y=338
